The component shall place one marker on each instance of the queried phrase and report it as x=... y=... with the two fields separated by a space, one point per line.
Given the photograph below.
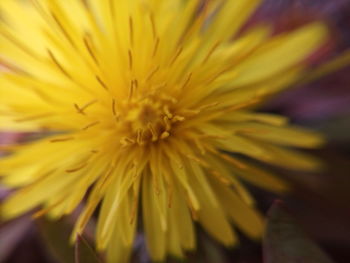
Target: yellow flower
x=144 y=101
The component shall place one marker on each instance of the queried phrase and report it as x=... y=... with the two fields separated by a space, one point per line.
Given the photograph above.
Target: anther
x=139 y=137
x=125 y=141
x=153 y=132
x=164 y=135
x=167 y=112
x=177 y=118
x=167 y=123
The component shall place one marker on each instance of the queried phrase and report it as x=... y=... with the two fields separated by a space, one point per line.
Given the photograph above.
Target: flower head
x=142 y=103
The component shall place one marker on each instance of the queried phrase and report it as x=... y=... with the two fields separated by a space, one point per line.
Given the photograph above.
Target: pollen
x=146 y=119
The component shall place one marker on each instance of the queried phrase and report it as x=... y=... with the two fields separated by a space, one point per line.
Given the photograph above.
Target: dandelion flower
x=147 y=110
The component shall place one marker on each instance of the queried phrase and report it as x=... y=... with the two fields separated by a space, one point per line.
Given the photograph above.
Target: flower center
x=147 y=119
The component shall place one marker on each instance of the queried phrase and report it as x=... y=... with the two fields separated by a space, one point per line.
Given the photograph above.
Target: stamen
x=131 y=29
x=154 y=30
x=42 y=95
x=114 y=107
x=189 y=77
x=190 y=112
x=198 y=160
x=76 y=169
x=91 y=125
x=86 y=39
x=191 y=207
x=177 y=54
x=136 y=83
x=171 y=195
x=156 y=183
x=233 y=161
x=216 y=76
x=130 y=59
x=156 y=45
x=133 y=209
x=211 y=136
x=207 y=106
x=101 y=82
x=199 y=145
x=78 y=109
x=60 y=67
x=152 y=73
x=221 y=178
x=160 y=86
x=81 y=110
x=34 y=117
x=244 y=131
x=131 y=90
x=44 y=211
x=64 y=139
x=112 y=7
x=210 y=53
x=114 y=110
x=244 y=104
x=63 y=30
x=89 y=104
x=17 y=43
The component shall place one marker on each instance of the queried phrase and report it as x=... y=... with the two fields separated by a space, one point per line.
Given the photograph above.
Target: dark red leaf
x=285 y=242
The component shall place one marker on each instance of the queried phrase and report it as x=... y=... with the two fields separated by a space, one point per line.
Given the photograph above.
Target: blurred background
x=319 y=204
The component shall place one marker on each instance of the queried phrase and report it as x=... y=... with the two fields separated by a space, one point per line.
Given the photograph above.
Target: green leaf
x=83 y=249
x=285 y=242
x=56 y=235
